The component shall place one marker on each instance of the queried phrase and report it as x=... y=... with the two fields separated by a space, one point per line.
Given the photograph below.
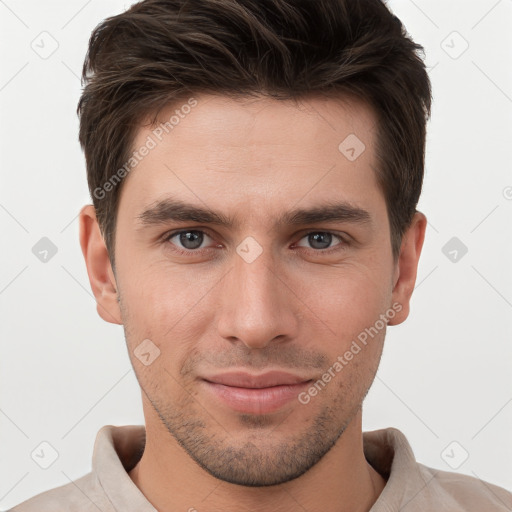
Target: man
x=255 y=167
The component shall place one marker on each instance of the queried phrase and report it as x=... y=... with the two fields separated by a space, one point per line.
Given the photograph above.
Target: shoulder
x=412 y=486
x=82 y=495
x=462 y=492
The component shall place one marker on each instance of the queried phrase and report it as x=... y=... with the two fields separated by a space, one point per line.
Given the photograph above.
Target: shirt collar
x=117 y=450
x=389 y=453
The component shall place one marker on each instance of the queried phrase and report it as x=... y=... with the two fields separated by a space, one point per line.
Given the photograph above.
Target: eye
x=195 y=241
x=321 y=240
x=188 y=240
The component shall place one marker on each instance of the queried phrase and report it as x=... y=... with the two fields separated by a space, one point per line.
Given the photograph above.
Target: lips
x=255 y=394
x=246 y=380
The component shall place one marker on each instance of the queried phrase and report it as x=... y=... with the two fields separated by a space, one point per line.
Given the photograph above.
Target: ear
x=407 y=266
x=99 y=269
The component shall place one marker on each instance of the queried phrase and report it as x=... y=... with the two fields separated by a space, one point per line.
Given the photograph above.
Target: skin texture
x=295 y=307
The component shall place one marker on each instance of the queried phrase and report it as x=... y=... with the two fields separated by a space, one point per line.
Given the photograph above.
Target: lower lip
x=256 y=400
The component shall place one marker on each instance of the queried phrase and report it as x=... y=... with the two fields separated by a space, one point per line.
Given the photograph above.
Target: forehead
x=257 y=152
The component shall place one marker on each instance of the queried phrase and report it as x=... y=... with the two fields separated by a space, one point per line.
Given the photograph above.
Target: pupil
x=324 y=239
x=191 y=239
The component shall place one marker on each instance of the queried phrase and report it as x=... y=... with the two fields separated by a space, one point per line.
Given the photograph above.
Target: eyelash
x=189 y=252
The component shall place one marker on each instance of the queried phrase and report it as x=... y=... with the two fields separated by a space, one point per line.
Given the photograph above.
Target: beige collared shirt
x=410 y=486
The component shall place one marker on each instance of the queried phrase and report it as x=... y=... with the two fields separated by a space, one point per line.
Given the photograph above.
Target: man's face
x=263 y=294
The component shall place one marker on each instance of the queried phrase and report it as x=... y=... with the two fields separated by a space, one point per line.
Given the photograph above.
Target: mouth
x=255 y=394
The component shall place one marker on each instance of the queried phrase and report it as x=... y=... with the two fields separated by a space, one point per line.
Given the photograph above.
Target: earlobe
x=99 y=269
x=407 y=266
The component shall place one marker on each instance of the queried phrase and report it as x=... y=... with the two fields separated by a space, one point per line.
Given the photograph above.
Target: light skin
x=296 y=307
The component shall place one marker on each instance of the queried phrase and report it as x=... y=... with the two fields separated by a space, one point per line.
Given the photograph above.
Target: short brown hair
x=159 y=51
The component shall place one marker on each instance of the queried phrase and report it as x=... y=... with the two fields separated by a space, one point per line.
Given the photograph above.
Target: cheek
x=168 y=306
x=159 y=294
x=347 y=299
x=351 y=306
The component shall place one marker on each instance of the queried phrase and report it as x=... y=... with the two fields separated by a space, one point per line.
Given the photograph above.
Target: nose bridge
x=256 y=273
x=254 y=308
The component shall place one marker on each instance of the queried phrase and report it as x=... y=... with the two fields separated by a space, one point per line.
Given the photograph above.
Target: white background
x=445 y=374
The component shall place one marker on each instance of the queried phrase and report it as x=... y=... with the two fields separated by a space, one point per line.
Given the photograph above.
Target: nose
x=257 y=304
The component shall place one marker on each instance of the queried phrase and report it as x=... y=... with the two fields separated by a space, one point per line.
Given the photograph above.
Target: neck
x=341 y=481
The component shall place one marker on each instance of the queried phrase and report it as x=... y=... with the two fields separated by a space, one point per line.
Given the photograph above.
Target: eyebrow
x=170 y=209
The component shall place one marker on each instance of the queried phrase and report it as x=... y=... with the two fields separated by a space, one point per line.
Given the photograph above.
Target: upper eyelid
x=172 y=234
